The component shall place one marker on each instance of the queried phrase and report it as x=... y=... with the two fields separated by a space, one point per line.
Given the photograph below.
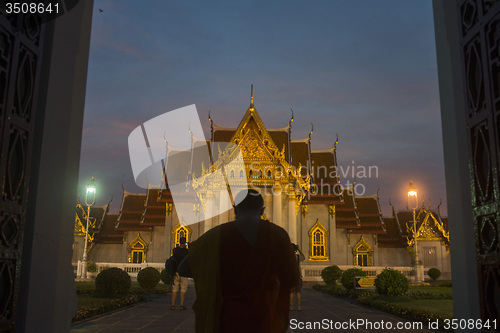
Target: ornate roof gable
x=429 y=229
x=254 y=140
x=362 y=246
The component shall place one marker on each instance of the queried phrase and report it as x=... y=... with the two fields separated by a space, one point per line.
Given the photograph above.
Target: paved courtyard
x=333 y=313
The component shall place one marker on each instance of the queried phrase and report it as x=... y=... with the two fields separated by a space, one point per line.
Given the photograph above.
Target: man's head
x=250 y=202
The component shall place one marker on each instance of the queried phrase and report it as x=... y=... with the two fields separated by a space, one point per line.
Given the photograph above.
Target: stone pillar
x=79 y=269
x=124 y=247
x=276 y=195
x=451 y=74
x=349 y=256
x=292 y=220
x=168 y=231
x=332 y=229
x=419 y=273
x=46 y=300
x=375 y=250
x=268 y=204
x=152 y=247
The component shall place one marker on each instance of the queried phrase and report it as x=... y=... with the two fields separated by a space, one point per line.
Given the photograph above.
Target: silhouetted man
x=179 y=282
x=244 y=272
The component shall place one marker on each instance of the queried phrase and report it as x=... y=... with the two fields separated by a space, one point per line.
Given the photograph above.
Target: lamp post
x=413 y=203
x=90 y=193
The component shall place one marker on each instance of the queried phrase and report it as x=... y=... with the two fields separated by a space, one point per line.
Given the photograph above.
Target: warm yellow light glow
x=90 y=190
x=412 y=191
x=412 y=196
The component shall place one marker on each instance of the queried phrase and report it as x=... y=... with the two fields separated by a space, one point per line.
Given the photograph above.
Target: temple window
x=362 y=253
x=260 y=173
x=137 y=250
x=362 y=260
x=137 y=256
x=268 y=173
x=241 y=173
x=178 y=232
x=232 y=173
x=318 y=236
x=250 y=174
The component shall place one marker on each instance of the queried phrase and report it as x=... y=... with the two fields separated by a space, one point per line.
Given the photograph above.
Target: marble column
x=276 y=195
x=375 y=250
x=168 y=231
x=332 y=229
x=292 y=220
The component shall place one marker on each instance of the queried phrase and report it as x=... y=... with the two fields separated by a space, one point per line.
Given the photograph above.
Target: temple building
x=302 y=193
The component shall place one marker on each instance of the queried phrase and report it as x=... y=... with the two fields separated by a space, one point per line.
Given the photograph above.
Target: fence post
x=79 y=269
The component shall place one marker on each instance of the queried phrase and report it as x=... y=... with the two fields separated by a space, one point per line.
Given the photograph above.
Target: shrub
x=347 y=277
x=112 y=281
x=434 y=273
x=91 y=267
x=165 y=277
x=331 y=274
x=391 y=282
x=148 y=278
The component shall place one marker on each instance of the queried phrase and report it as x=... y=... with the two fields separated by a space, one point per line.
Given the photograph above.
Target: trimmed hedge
x=148 y=278
x=434 y=273
x=391 y=282
x=347 y=277
x=331 y=274
x=112 y=281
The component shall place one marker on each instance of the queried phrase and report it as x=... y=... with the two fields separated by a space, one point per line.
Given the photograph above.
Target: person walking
x=179 y=282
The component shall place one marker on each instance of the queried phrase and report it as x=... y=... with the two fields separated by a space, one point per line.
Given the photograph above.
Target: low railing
x=131 y=269
x=309 y=272
x=313 y=272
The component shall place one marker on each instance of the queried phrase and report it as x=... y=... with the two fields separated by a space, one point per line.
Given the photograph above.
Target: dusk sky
x=361 y=68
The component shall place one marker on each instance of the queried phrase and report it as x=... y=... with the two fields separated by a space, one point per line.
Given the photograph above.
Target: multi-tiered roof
x=312 y=172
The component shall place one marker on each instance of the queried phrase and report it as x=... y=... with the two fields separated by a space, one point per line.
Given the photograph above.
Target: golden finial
x=251 y=96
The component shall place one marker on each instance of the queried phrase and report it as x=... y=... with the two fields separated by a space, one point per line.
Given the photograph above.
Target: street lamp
x=413 y=203
x=90 y=194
